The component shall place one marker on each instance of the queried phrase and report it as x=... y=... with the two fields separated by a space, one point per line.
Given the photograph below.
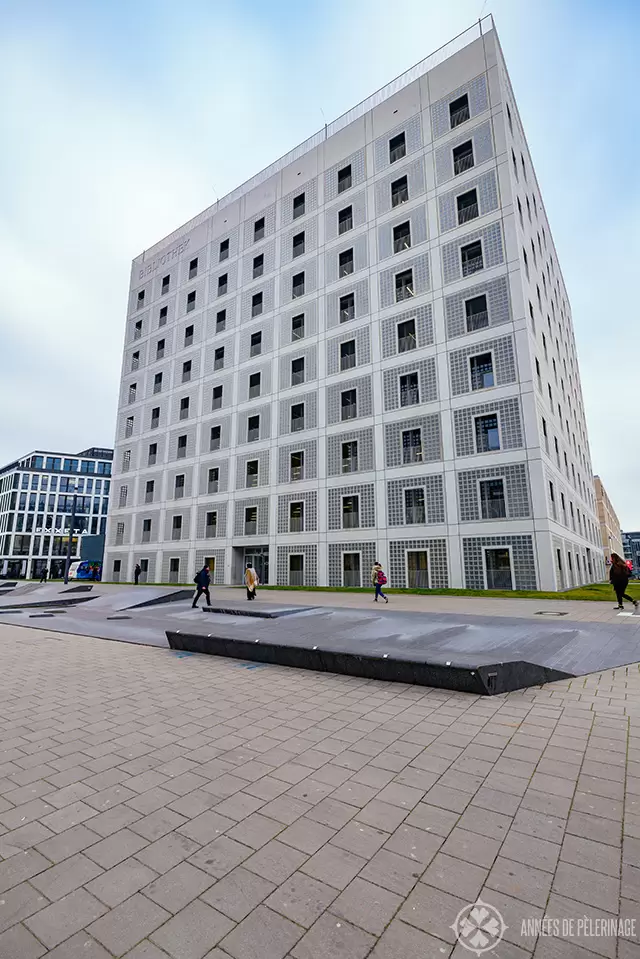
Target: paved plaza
x=156 y=804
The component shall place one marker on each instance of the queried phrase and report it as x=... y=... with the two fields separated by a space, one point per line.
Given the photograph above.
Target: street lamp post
x=70 y=540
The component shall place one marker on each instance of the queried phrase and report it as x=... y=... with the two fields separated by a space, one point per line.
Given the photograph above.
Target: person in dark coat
x=43 y=575
x=136 y=573
x=619 y=575
x=202 y=581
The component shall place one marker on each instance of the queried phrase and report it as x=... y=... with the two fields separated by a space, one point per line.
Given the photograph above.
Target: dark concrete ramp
x=272 y=611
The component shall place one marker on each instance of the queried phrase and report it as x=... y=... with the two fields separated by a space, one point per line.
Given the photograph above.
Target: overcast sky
x=120 y=120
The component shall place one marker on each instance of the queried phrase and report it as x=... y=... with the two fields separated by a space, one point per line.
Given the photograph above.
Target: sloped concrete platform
x=484 y=655
x=272 y=611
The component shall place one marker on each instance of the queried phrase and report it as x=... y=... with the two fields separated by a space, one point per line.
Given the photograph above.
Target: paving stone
x=569 y=916
x=23 y=838
x=110 y=797
x=131 y=921
x=630 y=882
x=368 y=906
x=591 y=855
x=62 y=919
x=262 y=935
x=109 y=852
x=62 y=879
x=585 y=885
x=238 y=893
x=301 y=898
x=255 y=831
x=496 y=801
x=239 y=806
x=116 y=885
x=447 y=798
x=25 y=813
x=192 y=932
x=402 y=941
x=276 y=861
x=558 y=806
x=219 y=857
x=147 y=950
x=18 y=903
x=148 y=802
x=418 y=845
x=157 y=824
x=115 y=819
x=20 y=867
x=333 y=938
x=538 y=824
x=392 y=871
x=454 y=876
x=432 y=910
x=80 y=946
x=306 y=835
x=471 y=847
x=520 y=880
x=597 y=806
x=331 y=812
x=530 y=850
x=165 y=853
x=206 y=827
x=18 y=943
x=358 y=838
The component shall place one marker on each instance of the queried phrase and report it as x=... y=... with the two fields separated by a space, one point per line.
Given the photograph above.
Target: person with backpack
x=202 y=581
x=378 y=579
x=619 y=575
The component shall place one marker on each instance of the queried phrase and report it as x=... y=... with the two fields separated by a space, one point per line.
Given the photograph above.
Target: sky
x=119 y=121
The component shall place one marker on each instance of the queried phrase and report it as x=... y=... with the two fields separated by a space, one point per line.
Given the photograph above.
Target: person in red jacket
x=619 y=576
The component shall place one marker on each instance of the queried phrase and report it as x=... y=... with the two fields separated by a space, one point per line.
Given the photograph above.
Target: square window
x=298 y=244
x=162 y=316
x=407 y=336
x=223 y=282
x=401 y=237
x=182 y=447
x=297 y=371
x=221 y=321
x=253 y=428
x=256 y=304
x=487 y=433
x=348 y=405
x=296 y=517
x=153 y=454
x=344 y=178
x=186 y=371
x=213 y=480
x=481 y=369
x=297 y=417
x=409 y=389
x=492 y=501
x=254 y=385
x=399 y=191
x=296 y=466
x=218 y=358
x=178 y=488
x=224 y=251
x=347 y=355
x=467 y=206
x=188 y=335
x=459 y=111
x=252 y=473
x=297 y=285
x=166 y=280
x=216 y=398
x=345 y=220
x=463 y=158
x=414 y=507
x=193 y=268
x=157 y=383
x=476 y=313
x=155 y=417
x=471 y=258
x=345 y=263
x=214 y=438
x=298 y=206
x=184 y=408
x=350 y=457
x=411 y=446
x=397 y=147
x=404 y=285
x=297 y=327
x=258 y=230
x=191 y=301
x=255 y=344
x=258 y=266
x=347 y=307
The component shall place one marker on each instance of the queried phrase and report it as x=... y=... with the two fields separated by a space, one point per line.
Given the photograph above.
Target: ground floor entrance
x=258 y=556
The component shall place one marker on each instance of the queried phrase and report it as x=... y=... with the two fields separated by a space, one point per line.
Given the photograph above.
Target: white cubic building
x=364 y=352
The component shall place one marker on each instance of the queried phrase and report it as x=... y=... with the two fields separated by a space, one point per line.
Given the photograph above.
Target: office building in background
x=631 y=546
x=364 y=352
x=36 y=501
x=610 y=531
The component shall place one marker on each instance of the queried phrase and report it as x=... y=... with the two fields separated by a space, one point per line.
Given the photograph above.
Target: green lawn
x=597 y=592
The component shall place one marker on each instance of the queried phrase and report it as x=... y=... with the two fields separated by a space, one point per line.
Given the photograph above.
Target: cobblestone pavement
x=156 y=804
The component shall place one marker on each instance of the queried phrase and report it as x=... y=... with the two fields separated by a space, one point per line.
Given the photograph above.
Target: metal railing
x=348 y=314
x=400 y=196
x=468 y=212
x=297 y=424
x=477 y=321
x=296 y=473
x=460 y=116
x=412 y=454
x=253 y=435
x=401 y=244
x=210 y=531
x=471 y=265
x=463 y=163
x=350 y=465
x=345 y=225
x=347 y=362
x=404 y=292
x=406 y=343
x=296 y=524
x=494 y=509
x=415 y=515
x=350 y=520
x=349 y=412
x=409 y=396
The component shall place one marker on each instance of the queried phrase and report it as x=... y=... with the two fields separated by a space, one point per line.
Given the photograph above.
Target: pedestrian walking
x=202 y=581
x=136 y=573
x=619 y=574
x=378 y=579
x=43 y=575
x=251 y=581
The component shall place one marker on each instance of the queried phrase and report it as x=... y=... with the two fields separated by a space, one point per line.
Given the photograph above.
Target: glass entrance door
x=417 y=569
x=498 y=563
x=296 y=569
x=258 y=556
x=351 y=569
